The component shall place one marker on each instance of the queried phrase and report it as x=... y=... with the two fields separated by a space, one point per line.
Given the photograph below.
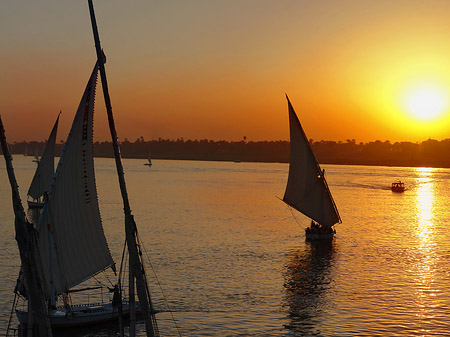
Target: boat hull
x=81 y=315
x=315 y=234
x=314 y=237
x=398 y=189
x=35 y=204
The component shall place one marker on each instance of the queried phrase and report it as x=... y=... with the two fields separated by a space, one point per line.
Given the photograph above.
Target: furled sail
x=72 y=243
x=307 y=190
x=46 y=167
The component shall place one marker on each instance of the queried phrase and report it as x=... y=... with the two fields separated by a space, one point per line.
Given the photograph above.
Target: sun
x=425 y=102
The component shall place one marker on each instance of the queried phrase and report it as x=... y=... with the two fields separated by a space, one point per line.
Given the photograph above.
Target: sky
x=219 y=69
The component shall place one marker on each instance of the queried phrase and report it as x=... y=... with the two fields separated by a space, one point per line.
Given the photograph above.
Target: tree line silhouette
x=429 y=153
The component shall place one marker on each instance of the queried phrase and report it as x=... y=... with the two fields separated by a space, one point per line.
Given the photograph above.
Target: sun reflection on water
x=424 y=206
x=425 y=255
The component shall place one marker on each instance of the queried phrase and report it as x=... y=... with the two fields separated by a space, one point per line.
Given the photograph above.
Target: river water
x=232 y=260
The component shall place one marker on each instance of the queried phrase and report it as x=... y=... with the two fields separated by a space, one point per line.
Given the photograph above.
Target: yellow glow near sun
x=425 y=102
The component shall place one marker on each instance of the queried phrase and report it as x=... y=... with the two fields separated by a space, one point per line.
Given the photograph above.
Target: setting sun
x=425 y=102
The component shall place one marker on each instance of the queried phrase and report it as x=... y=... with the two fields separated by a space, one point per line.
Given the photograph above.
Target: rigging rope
x=293 y=215
x=123 y=257
x=290 y=210
x=12 y=312
x=144 y=274
x=159 y=284
x=125 y=268
x=102 y=284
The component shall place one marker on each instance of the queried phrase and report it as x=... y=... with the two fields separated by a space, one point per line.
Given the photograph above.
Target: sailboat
x=137 y=275
x=71 y=247
x=36 y=154
x=28 y=251
x=149 y=161
x=44 y=172
x=307 y=190
x=71 y=242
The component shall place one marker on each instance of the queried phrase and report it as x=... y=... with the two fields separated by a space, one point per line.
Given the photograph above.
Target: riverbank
x=430 y=153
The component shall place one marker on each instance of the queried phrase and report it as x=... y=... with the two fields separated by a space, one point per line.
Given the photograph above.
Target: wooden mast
x=29 y=254
x=136 y=268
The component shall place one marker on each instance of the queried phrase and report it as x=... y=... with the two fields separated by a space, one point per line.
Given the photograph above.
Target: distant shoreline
x=429 y=153
x=287 y=162
x=353 y=163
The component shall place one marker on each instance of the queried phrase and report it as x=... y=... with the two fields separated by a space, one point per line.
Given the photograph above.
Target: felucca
x=71 y=247
x=137 y=275
x=71 y=242
x=307 y=190
x=28 y=250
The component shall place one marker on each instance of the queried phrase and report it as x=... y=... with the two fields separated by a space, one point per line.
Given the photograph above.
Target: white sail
x=307 y=190
x=70 y=226
x=46 y=167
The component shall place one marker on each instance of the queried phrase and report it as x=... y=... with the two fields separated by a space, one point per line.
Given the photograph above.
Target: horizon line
x=181 y=139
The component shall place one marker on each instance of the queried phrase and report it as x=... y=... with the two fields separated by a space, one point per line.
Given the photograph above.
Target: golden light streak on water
x=425 y=256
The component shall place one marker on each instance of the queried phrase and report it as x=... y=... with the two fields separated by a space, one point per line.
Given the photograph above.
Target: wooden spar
x=130 y=226
x=29 y=254
x=131 y=300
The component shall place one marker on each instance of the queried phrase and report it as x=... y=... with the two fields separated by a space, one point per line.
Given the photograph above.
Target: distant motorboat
x=398 y=187
x=307 y=189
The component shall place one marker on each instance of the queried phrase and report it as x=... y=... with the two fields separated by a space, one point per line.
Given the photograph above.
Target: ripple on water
x=233 y=262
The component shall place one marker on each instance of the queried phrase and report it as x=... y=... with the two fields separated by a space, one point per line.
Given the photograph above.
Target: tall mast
x=136 y=268
x=29 y=254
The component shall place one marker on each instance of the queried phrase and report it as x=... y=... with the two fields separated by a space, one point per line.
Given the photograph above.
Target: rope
x=293 y=215
x=123 y=257
x=160 y=287
x=98 y=281
x=155 y=323
x=12 y=313
x=102 y=284
x=107 y=278
x=125 y=268
x=290 y=209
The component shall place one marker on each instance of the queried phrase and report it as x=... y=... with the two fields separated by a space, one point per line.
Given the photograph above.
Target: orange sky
x=219 y=69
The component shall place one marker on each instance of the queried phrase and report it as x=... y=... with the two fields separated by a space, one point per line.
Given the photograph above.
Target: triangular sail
x=26 y=240
x=70 y=226
x=46 y=167
x=307 y=190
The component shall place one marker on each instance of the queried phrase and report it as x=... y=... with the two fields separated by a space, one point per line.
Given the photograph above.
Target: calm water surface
x=232 y=260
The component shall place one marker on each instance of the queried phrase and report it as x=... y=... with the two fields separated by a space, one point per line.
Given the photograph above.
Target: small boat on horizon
x=307 y=190
x=398 y=187
x=149 y=161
